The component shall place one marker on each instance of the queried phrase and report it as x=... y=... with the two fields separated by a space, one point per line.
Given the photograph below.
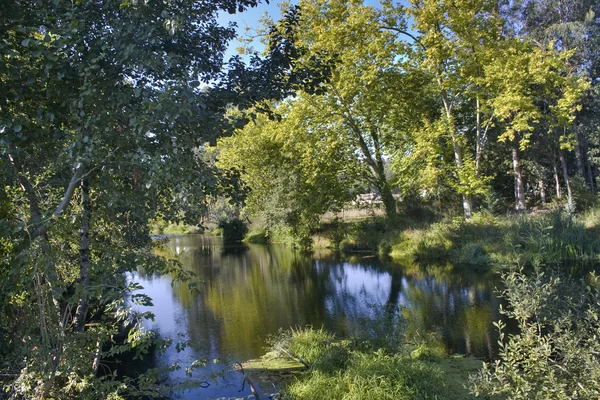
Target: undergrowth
x=518 y=239
x=356 y=369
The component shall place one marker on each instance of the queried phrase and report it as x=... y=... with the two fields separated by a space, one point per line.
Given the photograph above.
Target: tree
x=101 y=112
x=525 y=81
x=295 y=167
x=450 y=46
x=571 y=27
x=366 y=99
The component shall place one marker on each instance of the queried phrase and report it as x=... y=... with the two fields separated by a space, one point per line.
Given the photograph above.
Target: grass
x=351 y=369
x=159 y=227
x=485 y=240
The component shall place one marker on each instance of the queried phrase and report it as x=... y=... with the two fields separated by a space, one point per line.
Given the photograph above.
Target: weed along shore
x=312 y=364
x=483 y=241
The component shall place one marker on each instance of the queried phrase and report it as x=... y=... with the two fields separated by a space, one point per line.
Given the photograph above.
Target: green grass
x=352 y=369
x=486 y=240
x=257 y=237
x=168 y=228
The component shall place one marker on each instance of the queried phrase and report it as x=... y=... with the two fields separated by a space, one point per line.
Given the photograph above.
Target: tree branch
x=406 y=33
x=77 y=174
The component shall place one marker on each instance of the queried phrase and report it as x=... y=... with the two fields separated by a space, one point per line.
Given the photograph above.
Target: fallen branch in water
x=250 y=383
x=293 y=357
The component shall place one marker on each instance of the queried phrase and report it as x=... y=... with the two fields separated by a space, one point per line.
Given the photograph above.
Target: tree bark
x=542 y=192
x=590 y=174
x=557 y=181
x=84 y=257
x=520 y=204
x=388 y=200
x=578 y=152
x=563 y=163
x=40 y=229
x=374 y=160
x=479 y=139
x=466 y=199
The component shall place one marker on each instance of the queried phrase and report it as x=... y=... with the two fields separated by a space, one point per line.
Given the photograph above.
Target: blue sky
x=251 y=17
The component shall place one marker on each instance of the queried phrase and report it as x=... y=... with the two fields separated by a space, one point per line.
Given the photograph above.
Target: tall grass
x=484 y=240
x=346 y=369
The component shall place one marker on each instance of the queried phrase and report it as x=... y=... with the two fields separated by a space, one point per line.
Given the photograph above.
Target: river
x=248 y=292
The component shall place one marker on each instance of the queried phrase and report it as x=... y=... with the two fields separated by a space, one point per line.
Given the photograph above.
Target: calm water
x=250 y=292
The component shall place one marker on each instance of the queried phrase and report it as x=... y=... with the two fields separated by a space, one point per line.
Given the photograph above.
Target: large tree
x=370 y=100
x=295 y=167
x=103 y=109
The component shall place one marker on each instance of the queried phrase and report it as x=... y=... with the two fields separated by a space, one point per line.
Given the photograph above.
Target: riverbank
x=485 y=240
x=160 y=227
x=311 y=364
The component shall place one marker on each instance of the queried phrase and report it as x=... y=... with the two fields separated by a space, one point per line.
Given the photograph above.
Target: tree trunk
x=578 y=152
x=387 y=197
x=479 y=140
x=563 y=163
x=520 y=205
x=542 y=192
x=588 y=166
x=466 y=199
x=84 y=257
x=557 y=181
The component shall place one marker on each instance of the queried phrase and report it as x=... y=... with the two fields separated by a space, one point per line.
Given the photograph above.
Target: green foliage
x=485 y=240
x=159 y=227
x=295 y=173
x=101 y=122
x=341 y=370
x=234 y=230
x=257 y=237
x=555 y=355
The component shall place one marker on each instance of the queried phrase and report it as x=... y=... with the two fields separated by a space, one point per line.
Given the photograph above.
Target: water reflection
x=250 y=292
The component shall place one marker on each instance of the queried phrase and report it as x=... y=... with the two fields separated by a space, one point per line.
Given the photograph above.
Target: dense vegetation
x=120 y=114
x=454 y=106
x=104 y=110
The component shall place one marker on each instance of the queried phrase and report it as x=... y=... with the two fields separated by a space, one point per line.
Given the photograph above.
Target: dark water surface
x=250 y=292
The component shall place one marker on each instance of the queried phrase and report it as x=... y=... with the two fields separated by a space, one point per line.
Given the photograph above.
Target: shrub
x=556 y=355
x=257 y=237
x=472 y=254
x=234 y=230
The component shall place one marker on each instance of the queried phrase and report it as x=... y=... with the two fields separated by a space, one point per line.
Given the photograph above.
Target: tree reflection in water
x=250 y=292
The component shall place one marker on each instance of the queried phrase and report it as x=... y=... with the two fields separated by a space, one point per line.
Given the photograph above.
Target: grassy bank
x=160 y=227
x=483 y=240
x=313 y=364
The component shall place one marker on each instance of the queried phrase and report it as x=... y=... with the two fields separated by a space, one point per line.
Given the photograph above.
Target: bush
x=472 y=254
x=556 y=354
x=257 y=237
x=234 y=230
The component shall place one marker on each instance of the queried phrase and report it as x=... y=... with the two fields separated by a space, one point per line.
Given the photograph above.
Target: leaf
x=25 y=42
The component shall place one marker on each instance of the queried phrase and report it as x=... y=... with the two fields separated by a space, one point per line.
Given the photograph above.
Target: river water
x=249 y=292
